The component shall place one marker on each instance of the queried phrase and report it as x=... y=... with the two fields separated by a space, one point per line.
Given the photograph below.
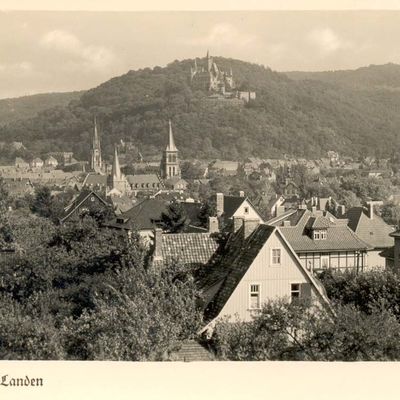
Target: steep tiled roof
x=339 y=236
x=373 y=231
x=192 y=350
x=188 y=248
x=234 y=264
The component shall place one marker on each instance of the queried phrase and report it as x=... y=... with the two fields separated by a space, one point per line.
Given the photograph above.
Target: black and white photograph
x=199 y=186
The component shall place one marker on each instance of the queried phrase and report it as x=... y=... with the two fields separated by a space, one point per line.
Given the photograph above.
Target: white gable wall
x=275 y=281
x=252 y=214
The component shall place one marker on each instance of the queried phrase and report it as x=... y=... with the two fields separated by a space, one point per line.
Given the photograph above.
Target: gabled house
x=231 y=207
x=144 y=217
x=36 y=163
x=322 y=241
x=84 y=202
x=257 y=264
x=373 y=230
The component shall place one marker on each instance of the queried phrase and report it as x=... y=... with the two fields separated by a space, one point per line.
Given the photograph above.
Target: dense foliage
x=283 y=331
x=299 y=117
x=76 y=292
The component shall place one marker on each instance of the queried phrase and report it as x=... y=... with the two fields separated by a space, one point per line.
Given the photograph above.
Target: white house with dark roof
x=231 y=207
x=256 y=265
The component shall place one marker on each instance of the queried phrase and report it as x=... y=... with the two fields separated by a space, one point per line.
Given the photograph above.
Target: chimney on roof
x=213 y=225
x=249 y=226
x=323 y=202
x=370 y=209
x=220 y=204
x=280 y=210
x=157 y=255
x=237 y=223
x=286 y=223
x=241 y=193
x=341 y=210
x=314 y=209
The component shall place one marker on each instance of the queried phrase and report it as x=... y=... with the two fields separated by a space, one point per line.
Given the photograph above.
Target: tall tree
x=175 y=219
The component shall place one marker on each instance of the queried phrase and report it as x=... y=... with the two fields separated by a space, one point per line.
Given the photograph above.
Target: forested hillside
x=303 y=118
x=28 y=106
x=366 y=78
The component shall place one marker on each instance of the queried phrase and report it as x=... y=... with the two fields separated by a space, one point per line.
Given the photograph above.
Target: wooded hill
x=304 y=116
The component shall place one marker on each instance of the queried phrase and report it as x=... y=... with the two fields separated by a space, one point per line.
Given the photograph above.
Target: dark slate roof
x=142 y=216
x=188 y=248
x=339 y=236
x=231 y=204
x=226 y=275
x=79 y=200
x=373 y=231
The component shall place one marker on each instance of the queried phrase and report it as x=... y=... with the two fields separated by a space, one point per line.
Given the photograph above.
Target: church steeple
x=117 y=179
x=171 y=144
x=95 y=152
x=116 y=170
x=170 y=162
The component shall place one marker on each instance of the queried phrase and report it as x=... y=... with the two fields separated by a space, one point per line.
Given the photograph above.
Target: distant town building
x=51 y=161
x=36 y=163
x=21 y=163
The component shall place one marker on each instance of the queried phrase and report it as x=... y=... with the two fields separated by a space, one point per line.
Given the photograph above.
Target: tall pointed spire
x=171 y=143
x=96 y=141
x=116 y=170
x=95 y=152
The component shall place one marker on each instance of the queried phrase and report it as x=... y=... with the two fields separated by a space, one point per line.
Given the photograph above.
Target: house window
x=324 y=262
x=246 y=210
x=319 y=234
x=254 y=296
x=276 y=256
x=294 y=291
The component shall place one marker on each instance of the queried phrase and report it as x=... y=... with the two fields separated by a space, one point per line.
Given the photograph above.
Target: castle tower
x=170 y=161
x=96 y=163
x=118 y=180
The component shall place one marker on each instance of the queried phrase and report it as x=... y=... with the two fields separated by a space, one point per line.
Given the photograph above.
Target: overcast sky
x=62 y=51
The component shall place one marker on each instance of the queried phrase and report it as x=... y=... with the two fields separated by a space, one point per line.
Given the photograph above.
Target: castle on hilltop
x=207 y=76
